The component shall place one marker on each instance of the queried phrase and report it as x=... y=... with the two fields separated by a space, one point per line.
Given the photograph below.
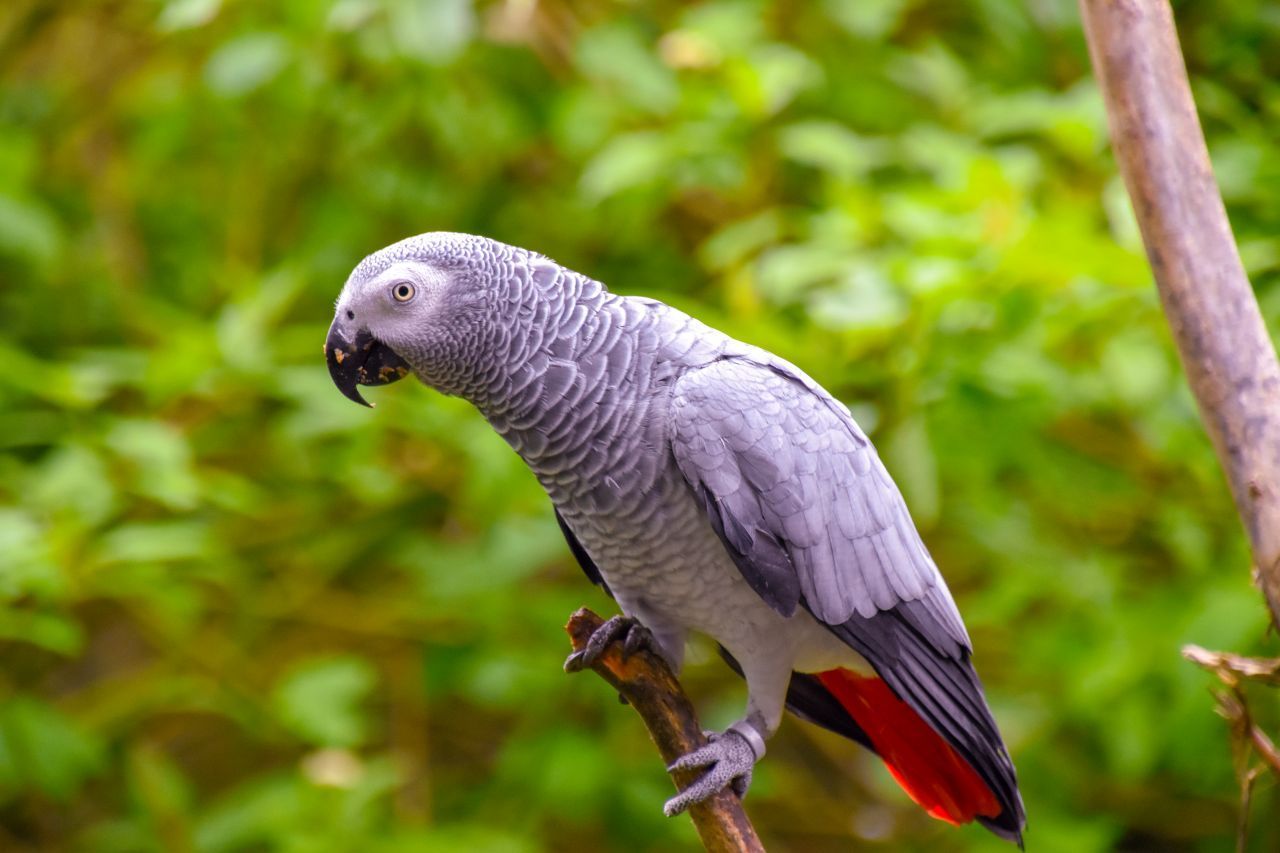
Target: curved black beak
x=362 y=360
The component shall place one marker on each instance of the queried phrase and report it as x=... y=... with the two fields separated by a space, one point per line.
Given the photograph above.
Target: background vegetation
x=238 y=612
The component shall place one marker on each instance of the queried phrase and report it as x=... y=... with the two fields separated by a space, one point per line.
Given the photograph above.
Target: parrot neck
x=570 y=383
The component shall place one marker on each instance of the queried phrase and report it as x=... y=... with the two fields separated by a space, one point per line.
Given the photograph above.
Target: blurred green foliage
x=238 y=612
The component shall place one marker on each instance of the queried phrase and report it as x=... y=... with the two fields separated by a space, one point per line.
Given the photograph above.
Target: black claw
x=629 y=630
x=638 y=637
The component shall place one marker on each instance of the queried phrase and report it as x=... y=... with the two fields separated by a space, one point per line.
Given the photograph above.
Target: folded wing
x=812 y=519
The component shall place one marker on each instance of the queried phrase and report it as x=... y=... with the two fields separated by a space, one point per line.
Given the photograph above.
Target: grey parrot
x=709 y=486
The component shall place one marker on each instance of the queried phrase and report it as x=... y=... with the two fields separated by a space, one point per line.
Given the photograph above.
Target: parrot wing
x=812 y=519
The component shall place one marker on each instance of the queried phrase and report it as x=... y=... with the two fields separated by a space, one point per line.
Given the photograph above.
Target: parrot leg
x=730 y=756
x=634 y=636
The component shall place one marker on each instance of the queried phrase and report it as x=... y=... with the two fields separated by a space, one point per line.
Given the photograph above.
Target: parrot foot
x=731 y=756
x=634 y=636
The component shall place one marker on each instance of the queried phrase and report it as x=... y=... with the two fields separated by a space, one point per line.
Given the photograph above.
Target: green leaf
x=779 y=74
x=617 y=58
x=161 y=459
x=28 y=231
x=53 y=631
x=41 y=749
x=733 y=243
x=246 y=63
x=785 y=271
x=74 y=478
x=870 y=19
x=864 y=299
x=627 y=162
x=1136 y=368
x=28 y=567
x=319 y=700
x=147 y=541
x=187 y=14
x=434 y=33
x=831 y=147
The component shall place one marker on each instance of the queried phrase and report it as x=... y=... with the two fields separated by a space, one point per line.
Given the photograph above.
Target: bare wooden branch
x=1225 y=349
x=646 y=682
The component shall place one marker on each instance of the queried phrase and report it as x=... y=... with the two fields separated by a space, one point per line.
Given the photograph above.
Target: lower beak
x=362 y=360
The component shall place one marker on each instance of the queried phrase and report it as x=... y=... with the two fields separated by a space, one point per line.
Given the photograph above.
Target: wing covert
x=799 y=496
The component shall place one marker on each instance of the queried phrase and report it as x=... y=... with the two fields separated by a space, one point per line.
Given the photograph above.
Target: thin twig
x=1232 y=705
x=1233 y=671
x=1246 y=800
x=646 y=682
x=1232 y=668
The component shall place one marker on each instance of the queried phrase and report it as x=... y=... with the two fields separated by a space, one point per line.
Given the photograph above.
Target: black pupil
x=403 y=291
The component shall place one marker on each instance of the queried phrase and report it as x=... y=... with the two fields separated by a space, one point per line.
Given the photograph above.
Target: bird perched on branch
x=709 y=486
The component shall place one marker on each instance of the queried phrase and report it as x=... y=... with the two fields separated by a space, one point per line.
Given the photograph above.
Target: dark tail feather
x=866 y=710
x=927 y=669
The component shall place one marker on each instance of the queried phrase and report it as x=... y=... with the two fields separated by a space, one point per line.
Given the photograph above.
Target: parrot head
x=417 y=306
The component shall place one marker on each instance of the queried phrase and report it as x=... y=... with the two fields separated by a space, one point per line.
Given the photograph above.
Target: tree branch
x=646 y=682
x=1225 y=349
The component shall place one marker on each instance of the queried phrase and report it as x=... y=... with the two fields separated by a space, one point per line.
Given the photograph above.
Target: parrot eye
x=402 y=292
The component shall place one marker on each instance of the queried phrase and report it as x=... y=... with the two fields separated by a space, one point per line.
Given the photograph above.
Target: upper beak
x=360 y=360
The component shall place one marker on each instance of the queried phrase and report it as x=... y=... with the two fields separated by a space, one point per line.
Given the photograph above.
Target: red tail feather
x=925 y=765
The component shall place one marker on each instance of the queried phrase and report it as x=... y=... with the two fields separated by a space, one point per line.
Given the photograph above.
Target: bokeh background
x=239 y=613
